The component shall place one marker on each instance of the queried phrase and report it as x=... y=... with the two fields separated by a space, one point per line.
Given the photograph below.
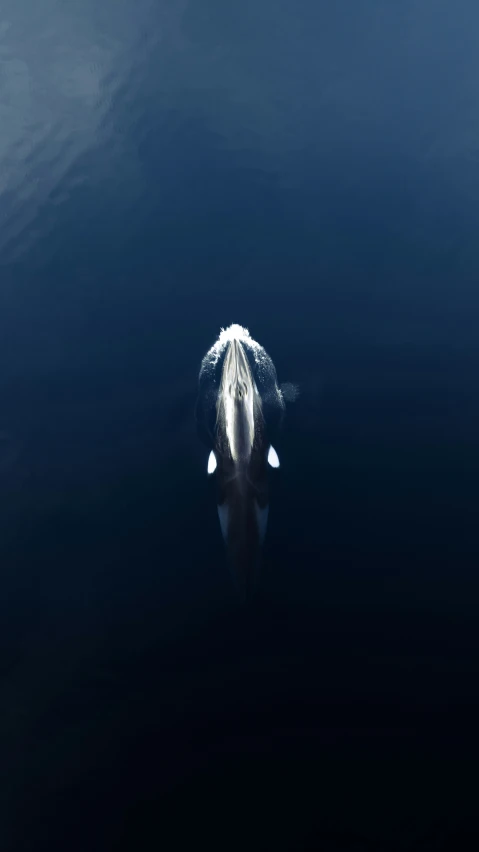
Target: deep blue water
x=311 y=171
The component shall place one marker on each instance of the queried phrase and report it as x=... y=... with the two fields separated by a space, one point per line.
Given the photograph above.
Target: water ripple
x=60 y=76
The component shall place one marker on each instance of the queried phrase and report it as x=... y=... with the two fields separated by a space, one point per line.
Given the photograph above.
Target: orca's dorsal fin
x=273 y=459
x=211 y=462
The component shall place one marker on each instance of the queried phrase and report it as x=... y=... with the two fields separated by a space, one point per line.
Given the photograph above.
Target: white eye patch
x=211 y=462
x=273 y=459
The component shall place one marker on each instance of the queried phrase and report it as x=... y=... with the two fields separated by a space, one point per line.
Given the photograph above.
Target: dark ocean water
x=311 y=171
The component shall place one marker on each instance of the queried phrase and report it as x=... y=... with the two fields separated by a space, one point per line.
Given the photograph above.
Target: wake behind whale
x=239 y=411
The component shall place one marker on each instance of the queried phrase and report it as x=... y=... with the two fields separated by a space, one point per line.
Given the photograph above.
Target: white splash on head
x=233 y=332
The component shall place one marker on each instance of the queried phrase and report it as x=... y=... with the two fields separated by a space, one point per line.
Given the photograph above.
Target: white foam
x=233 y=332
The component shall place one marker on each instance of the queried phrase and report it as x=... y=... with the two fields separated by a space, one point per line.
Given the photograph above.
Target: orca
x=239 y=410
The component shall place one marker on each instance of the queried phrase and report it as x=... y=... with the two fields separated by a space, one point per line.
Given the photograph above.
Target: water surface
x=313 y=174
